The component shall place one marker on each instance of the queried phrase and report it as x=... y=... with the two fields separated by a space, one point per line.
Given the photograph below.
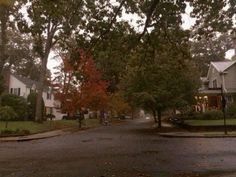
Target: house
x=23 y=86
x=221 y=78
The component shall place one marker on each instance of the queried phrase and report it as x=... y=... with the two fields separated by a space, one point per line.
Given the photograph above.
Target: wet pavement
x=132 y=149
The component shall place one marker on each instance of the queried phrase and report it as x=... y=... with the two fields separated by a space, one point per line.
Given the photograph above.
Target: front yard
x=30 y=127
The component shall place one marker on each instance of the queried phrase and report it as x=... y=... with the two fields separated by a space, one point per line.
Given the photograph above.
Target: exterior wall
x=230 y=78
x=214 y=75
x=50 y=104
x=15 y=83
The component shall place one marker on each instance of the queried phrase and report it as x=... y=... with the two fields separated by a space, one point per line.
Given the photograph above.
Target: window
x=214 y=83
x=15 y=91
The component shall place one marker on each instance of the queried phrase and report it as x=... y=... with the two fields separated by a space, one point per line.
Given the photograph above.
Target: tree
x=214 y=17
x=17 y=103
x=7 y=8
x=161 y=75
x=49 y=20
x=56 y=22
x=118 y=104
x=6 y=114
x=112 y=54
x=80 y=85
x=206 y=50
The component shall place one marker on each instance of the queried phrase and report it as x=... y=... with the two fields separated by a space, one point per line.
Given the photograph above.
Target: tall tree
x=214 y=17
x=7 y=8
x=206 y=50
x=48 y=21
x=161 y=75
x=80 y=85
x=56 y=22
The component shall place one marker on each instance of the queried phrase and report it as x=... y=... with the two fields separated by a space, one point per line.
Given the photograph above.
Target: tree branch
x=148 y=17
x=113 y=20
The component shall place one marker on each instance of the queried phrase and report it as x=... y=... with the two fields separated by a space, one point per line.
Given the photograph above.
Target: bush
x=18 y=104
x=212 y=115
x=7 y=132
x=231 y=110
x=7 y=114
x=65 y=117
x=208 y=115
x=50 y=116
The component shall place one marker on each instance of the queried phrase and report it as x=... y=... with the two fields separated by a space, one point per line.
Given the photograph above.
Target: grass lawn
x=210 y=122
x=34 y=127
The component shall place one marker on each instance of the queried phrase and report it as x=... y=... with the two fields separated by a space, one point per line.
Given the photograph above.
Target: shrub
x=6 y=114
x=231 y=110
x=212 y=115
x=50 y=116
x=7 y=132
x=18 y=104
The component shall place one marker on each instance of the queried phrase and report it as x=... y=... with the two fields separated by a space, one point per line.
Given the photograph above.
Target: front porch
x=211 y=100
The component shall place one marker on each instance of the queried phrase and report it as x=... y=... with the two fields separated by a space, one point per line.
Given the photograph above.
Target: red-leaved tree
x=80 y=85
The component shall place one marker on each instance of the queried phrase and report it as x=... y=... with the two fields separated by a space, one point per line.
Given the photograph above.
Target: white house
x=220 y=75
x=23 y=86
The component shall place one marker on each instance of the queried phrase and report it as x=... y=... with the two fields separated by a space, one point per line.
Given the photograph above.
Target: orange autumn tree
x=80 y=85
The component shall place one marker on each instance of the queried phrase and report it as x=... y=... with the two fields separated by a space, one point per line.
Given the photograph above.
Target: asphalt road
x=130 y=149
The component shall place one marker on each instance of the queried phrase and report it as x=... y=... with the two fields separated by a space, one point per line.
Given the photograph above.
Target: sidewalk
x=35 y=136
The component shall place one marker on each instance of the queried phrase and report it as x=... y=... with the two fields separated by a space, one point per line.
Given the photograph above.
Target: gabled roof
x=28 y=82
x=221 y=66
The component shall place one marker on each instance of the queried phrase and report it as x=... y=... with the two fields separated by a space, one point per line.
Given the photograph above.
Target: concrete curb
x=195 y=135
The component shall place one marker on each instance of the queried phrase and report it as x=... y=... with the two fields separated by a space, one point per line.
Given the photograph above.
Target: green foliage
x=50 y=116
x=17 y=132
x=31 y=99
x=160 y=74
x=18 y=104
x=212 y=114
x=206 y=50
x=231 y=110
x=7 y=113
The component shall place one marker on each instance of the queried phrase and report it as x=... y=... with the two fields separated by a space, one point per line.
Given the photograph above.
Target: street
x=131 y=149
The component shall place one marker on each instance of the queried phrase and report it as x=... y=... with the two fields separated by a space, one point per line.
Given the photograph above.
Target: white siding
x=24 y=92
x=214 y=75
x=230 y=78
x=15 y=83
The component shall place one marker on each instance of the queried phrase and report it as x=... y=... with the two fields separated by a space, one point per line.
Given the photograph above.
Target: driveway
x=132 y=149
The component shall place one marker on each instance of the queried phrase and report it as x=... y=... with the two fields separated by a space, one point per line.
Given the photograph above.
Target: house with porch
x=221 y=77
x=23 y=86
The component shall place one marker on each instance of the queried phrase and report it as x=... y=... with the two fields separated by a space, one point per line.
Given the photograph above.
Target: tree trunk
x=159 y=118
x=3 y=40
x=154 y=115
x=44 y=59
x=39 y=103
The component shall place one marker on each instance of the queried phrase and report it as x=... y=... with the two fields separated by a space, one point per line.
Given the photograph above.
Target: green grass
x=34 y=127
x=210 y=122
